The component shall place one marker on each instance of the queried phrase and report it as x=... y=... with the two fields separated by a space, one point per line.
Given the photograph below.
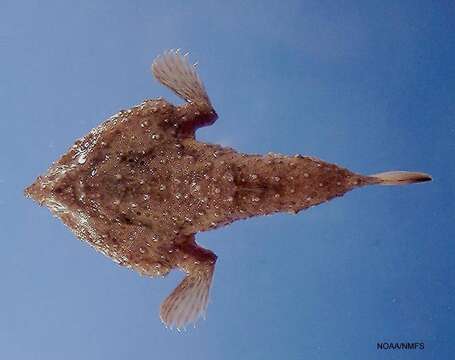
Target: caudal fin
x=400 y=177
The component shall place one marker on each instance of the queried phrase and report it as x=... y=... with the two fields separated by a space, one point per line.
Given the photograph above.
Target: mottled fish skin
x=139 y=186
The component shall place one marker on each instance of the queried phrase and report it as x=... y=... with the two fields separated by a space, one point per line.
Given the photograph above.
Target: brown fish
x=139 y=187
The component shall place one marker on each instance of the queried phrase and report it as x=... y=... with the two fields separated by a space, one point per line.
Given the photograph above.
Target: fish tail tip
x=400 y=177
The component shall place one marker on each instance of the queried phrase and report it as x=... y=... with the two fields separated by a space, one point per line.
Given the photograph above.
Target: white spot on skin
x=82 y=158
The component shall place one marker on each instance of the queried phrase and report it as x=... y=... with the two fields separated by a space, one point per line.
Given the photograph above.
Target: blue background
x=368 y=85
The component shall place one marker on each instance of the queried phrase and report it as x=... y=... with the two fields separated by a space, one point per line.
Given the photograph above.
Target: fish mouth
x=44 y=186
x=38 y=191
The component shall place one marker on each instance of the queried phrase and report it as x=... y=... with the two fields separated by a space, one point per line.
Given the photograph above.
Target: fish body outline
x=140 y=186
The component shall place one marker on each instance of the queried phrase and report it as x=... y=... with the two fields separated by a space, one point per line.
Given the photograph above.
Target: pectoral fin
x=189 y=299
x=174 y=71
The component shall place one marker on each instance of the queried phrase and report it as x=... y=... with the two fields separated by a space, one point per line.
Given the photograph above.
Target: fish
x=139 y=187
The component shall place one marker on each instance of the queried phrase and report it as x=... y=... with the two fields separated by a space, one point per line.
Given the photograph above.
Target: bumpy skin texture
x=139 y=186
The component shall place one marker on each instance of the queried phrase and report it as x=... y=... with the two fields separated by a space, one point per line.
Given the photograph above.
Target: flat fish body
x=139 y=186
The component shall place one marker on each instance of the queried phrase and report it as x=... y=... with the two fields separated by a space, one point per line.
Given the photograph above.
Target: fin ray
x=174 y=71
x=189 y=300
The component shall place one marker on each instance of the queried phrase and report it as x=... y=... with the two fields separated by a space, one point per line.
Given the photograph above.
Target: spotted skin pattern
x=140 y=186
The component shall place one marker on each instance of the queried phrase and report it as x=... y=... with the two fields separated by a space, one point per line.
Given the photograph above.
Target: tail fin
x=400 y=177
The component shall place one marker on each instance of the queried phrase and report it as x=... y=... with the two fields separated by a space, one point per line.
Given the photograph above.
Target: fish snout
x=38 y=191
